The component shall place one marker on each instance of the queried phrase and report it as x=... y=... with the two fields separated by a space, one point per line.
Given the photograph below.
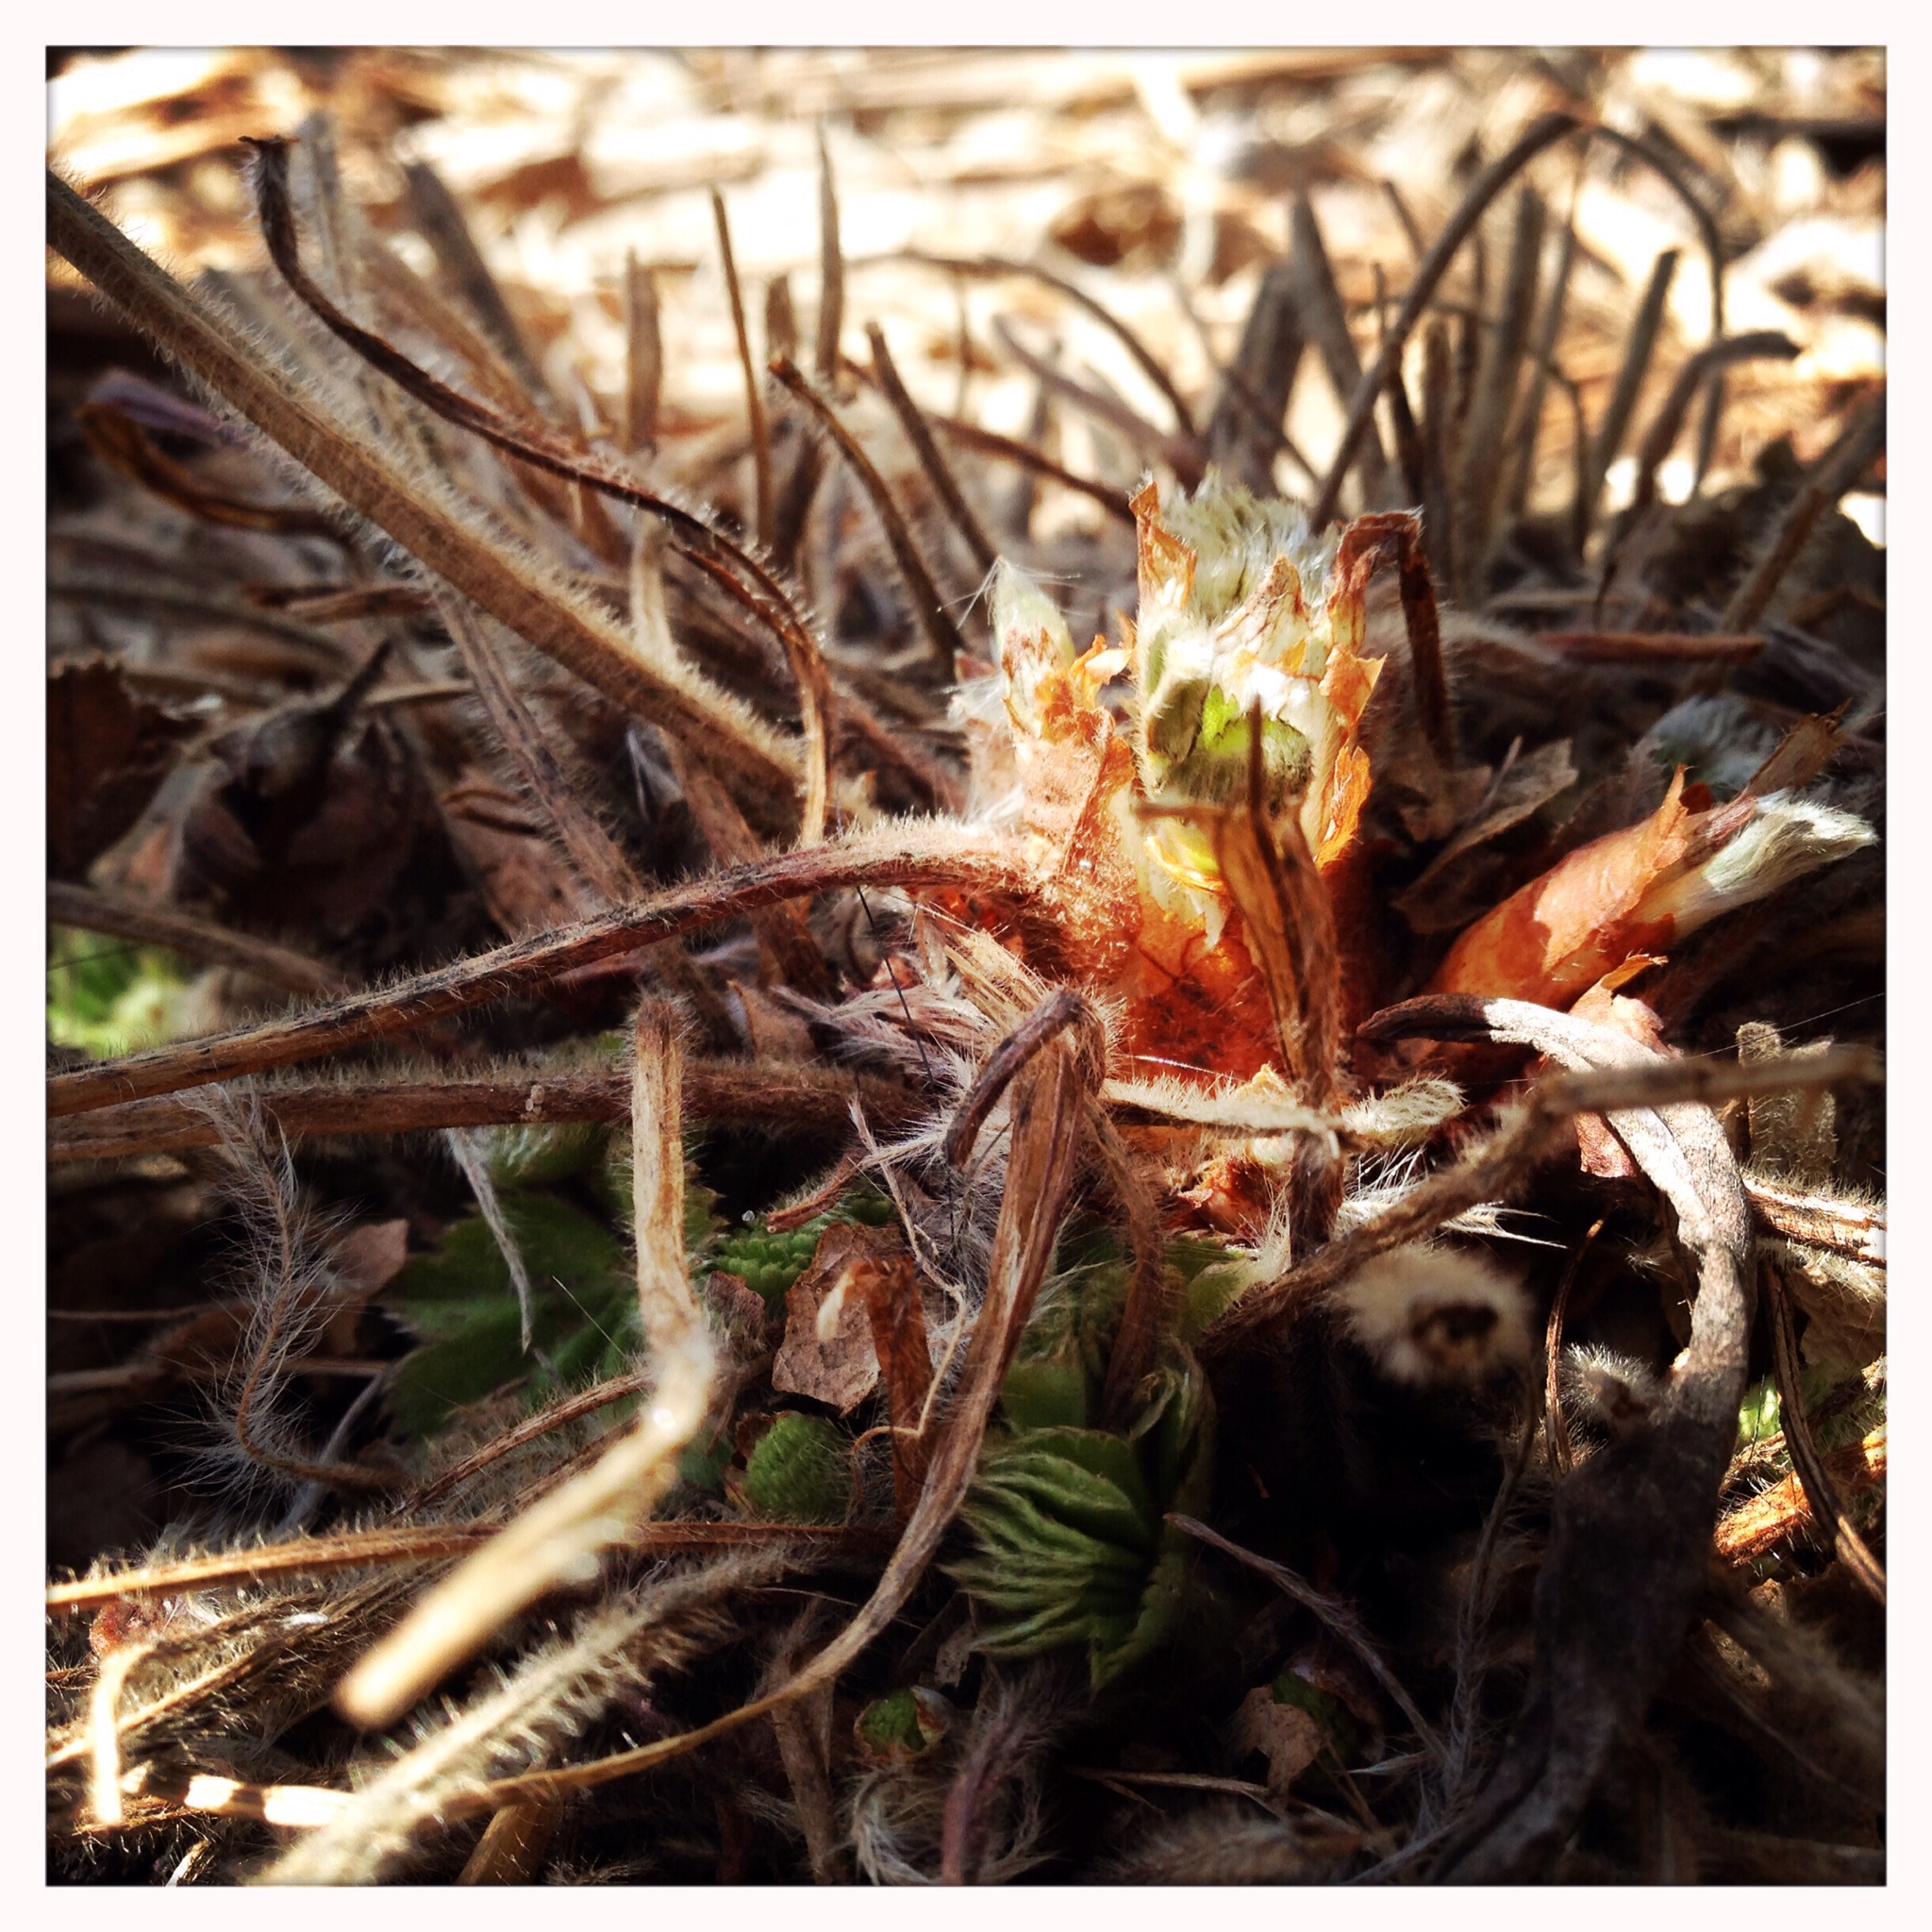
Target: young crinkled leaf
x=460 y=1301
x=1067 y=1519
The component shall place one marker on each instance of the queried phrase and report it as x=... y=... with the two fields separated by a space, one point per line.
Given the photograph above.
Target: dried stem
x=1826 y=1510
x=797 y=1097
x=644 y=357
x=990 y=442
x=1048 y=1095
x=524 y=966
x=555 y=1538
x=825 y=360
x=1334 y=1613
x=1480 y=456
x=368 y=1549
x=1834 y=472
x=1662 y=433
x=1555 y=1430
x=1757 y=1528
x=1429 y=270
x=989 y=266
x=1318 y=304
x=120 y=442
x=1637 y=350
x=1148 y=1316
x=438 y=220
x=1181 y=454
x=595 y=854
x=1542 y=359
x=91 y=910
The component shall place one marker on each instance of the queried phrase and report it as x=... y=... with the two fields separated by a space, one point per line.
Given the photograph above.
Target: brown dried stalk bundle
x=912 y=1067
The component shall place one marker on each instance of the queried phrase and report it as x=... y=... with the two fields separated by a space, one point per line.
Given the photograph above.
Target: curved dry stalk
x=1491 y=1170
x=371 y=1549
x=1807 y=1464
x=1662 y=433
x=422 y=515
x=758 y=1091
x=1642 y=1509
x=1834 y=472
x=815 y=683
x=561 y=1534
x=941 y=854
x=987 y=267
x=942 y=633
x=1181 y=454
x=1048 y=1094
x=1639 y=347
x=990 y=443
x=104 y=1784
x=91 y=910
x=1429 y=270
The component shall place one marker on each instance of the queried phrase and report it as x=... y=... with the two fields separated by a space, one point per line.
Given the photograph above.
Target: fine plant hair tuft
x=283 y=1271
x=1615 y=1391
x=1436 y=1315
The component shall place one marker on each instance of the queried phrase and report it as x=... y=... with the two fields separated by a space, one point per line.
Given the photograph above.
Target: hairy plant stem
x=977 y=863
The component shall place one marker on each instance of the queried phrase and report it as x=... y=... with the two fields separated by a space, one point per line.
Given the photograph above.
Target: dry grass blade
x=754 y=401
x=929 y=607
x=1637 y=351
x=1429 y=270
x=939 y=474
x=831 y=319
x=644 y=357
x=561 y=1534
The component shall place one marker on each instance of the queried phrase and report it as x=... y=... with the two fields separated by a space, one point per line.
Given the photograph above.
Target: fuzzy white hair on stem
x=1434 y=1315
x=1614 y=1391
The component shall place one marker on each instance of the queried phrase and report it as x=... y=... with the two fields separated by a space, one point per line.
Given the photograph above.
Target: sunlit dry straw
x=558 y=1538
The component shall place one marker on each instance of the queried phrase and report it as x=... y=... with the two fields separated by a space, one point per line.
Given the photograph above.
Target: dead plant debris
x=966 y=968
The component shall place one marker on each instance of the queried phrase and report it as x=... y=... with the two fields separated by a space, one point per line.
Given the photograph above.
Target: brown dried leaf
x=1284 y=1734
x=107 y=752
x=828 y=1351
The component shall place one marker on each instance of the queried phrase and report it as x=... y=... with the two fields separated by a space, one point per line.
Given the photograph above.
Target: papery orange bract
x=1562 y=932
